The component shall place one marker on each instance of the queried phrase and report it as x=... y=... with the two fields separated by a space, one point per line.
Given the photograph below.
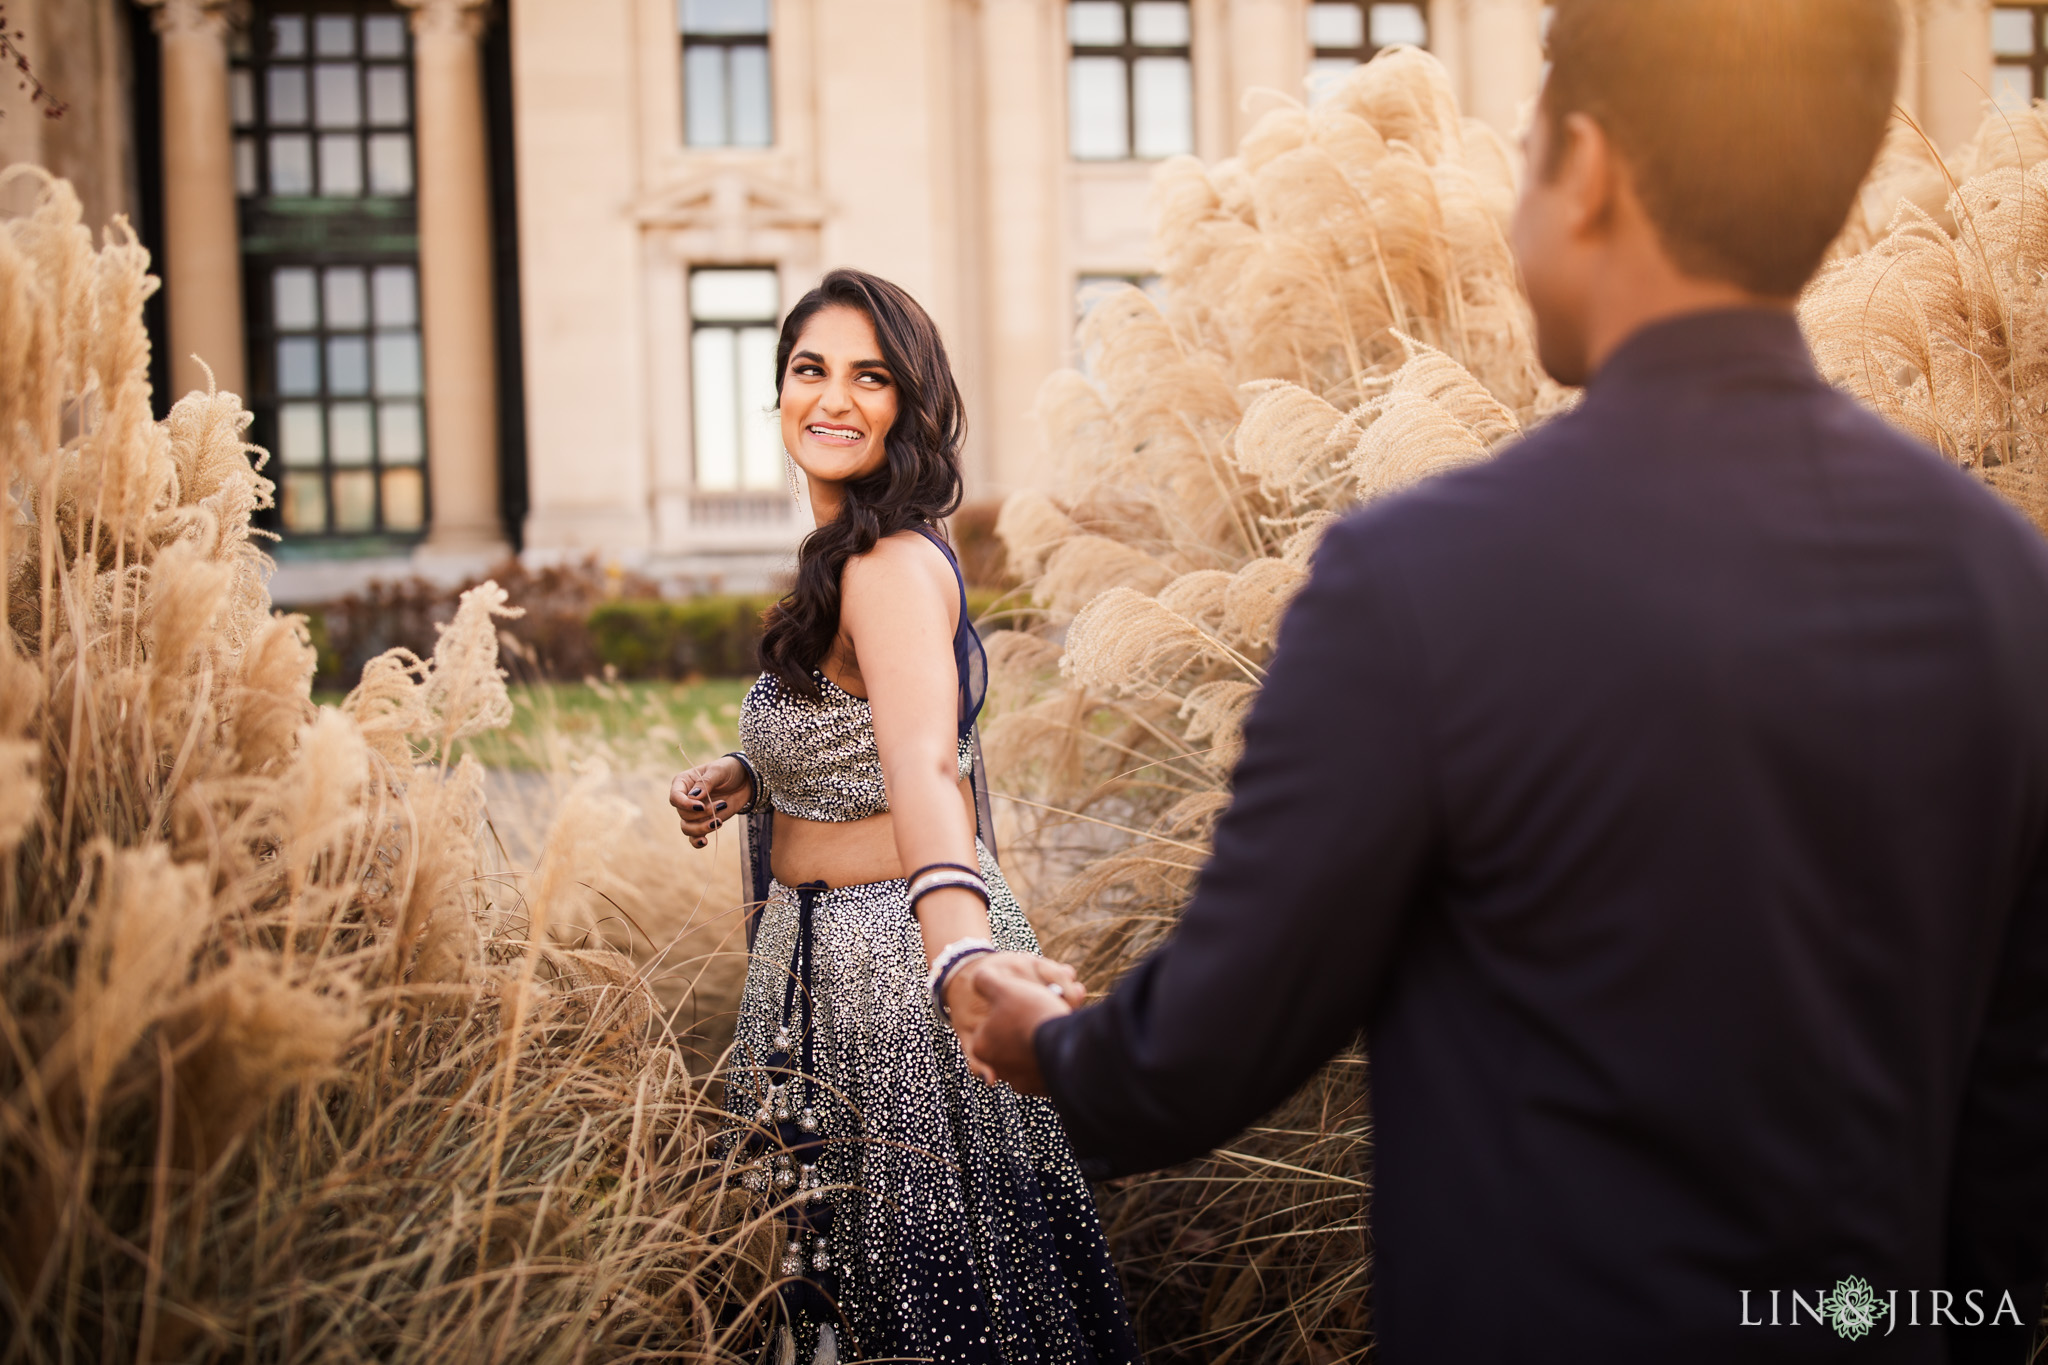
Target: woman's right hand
x=707 y=795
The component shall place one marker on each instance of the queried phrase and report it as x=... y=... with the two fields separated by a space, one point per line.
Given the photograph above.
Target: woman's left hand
x=969 y=1007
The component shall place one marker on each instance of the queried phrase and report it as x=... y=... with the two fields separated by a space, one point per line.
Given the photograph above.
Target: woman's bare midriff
x=843 y=852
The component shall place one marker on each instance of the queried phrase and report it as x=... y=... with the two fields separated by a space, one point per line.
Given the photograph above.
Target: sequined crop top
x=817 y=756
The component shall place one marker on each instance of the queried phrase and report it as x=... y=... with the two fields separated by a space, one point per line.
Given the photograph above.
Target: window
x=350 y=438
x=2019 y=55
x=322 y=106
x=1130 y=90
x=725 y=73
x=1353 y=31
x=732 y=380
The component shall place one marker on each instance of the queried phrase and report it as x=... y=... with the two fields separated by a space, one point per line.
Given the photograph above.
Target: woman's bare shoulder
x=902 y=566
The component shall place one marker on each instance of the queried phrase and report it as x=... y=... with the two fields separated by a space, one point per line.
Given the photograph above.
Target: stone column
x=1268 y=51
x=202 y=265
x=456 y=316
x=1503 y=49
x=1028 y=303
x=1955 y=69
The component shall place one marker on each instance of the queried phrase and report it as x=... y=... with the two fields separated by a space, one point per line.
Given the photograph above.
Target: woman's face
x=838 y=398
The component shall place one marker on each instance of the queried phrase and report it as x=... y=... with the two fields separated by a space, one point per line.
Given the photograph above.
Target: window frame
x=742 y=502
x=318 y=232
x=2035 y=61
x=1366 y=48
x=727 y=44
x=1128 y=53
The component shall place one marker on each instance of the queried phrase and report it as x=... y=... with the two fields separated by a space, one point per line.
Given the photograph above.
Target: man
x=1667 y=800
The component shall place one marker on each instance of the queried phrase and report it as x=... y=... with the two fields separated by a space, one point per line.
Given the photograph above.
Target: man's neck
x=1633 y=300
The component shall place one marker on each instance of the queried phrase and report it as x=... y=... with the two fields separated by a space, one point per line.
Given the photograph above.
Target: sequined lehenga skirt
x=936 y=1216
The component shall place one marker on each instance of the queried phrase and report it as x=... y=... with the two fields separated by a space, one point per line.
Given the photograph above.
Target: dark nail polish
x=696 y=791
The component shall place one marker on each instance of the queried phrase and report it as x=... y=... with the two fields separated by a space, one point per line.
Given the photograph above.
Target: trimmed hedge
x=714 y=637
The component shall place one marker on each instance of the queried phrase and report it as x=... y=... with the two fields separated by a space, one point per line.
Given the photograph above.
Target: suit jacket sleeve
x=1277 y=959
x=1998 y=1183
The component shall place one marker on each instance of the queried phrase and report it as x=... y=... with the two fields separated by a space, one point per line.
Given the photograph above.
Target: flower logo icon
x=1853 y=1308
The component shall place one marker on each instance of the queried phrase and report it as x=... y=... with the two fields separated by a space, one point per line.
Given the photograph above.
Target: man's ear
x=1588 y=173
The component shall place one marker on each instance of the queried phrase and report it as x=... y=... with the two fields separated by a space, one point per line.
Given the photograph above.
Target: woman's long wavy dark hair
x=918 y=483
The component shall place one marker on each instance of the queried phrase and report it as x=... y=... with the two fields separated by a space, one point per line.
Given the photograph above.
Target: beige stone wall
x=921 y=139
x=80 y=50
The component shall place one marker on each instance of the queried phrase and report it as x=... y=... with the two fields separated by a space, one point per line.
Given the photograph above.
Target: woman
x=931 y=1214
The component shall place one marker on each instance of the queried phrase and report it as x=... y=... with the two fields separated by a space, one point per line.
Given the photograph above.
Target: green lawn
x=663 y=723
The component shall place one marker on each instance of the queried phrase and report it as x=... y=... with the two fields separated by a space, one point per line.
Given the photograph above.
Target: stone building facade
x=501 y=274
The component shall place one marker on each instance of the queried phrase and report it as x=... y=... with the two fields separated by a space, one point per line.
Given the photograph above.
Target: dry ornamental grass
x=298 y=1061
x=292 y=1067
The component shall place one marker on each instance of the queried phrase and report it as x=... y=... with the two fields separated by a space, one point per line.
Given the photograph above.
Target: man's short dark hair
x=1747 y=124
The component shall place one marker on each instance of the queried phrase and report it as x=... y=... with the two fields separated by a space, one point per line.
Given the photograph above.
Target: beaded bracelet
x=938 y=876
x=754 y=792
x=949 y=958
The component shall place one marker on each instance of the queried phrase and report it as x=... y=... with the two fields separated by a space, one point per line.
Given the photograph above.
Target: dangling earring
x=789 y=469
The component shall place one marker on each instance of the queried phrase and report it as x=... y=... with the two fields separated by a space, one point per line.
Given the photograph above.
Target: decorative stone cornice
x=447 y=18
x=177 y=18
x=730 y=202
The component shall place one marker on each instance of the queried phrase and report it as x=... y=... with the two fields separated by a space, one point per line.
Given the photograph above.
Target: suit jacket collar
x=1759 y=343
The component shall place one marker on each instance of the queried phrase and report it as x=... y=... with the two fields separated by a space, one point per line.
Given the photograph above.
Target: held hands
x=998 y=1001
x=708 y=795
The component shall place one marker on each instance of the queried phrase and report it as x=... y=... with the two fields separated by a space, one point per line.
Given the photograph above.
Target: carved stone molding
x=732 y=205
x=435 y=18
x=176 y=18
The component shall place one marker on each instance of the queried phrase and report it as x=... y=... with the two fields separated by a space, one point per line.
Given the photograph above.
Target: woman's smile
x=835 y=435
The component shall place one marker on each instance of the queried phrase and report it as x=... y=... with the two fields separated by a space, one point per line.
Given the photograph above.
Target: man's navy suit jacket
x=1667 y=801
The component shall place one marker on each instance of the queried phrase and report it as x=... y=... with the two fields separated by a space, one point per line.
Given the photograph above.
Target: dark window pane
x=1164 y=93
x=391 y=163
x=1392 y=24
x=1339 y=25
x=384 y=36
x=751 y=116
x=1097 y=115
x=2012 y=32
x=347 y=297
x=724 y=16
x=294 y=306
x=734 y=295
x=284 y=90
x=348 y=366
x=1159 y=23
x=348 y=434
x=298 y=366
x=389 y=102
x=405 y=502
x=301 y=443
x=400 y=437
x=288 y=36
x=355 y=501
x=341 y=165
x=305 y=503
x=704 y=94
x=2012 y=86
x=398 y=364
x=1095 y=23
x=334 y=35
x=337 y=95
x=291 y=164
x=396 y=296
